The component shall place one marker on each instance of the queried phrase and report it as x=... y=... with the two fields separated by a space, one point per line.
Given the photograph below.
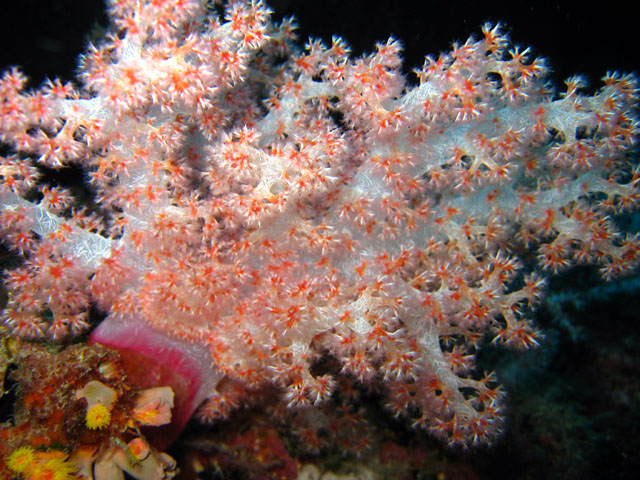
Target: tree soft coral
x=260 y=209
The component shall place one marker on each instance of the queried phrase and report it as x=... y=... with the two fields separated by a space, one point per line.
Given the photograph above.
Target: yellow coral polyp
x=32 y=465
x=54 y=469
x=21 y=459
x=98 y=417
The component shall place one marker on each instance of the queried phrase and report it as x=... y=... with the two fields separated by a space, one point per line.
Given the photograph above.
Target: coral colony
x=303 y=221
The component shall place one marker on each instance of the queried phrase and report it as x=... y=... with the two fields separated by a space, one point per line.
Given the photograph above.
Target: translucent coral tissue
x=273 y=206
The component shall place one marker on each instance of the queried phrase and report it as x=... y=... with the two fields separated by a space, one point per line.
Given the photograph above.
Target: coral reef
x=290 y=231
